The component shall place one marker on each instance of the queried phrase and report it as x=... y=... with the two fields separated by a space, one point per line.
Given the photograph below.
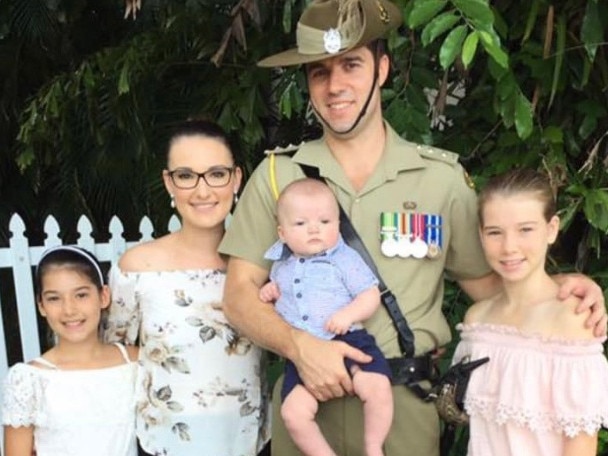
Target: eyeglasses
x=186 y=179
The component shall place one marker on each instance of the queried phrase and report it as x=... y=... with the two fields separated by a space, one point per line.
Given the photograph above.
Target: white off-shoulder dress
x=532 y=392
x=201 y=388
x=74 y=412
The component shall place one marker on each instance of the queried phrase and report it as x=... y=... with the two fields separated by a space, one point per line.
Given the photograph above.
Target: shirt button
x=299 y=295
x=305 y=317
x=302 y=260
x=296 y=281
x=357 y=200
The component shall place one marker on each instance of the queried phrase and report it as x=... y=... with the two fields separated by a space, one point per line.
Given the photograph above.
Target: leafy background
x=88 y=96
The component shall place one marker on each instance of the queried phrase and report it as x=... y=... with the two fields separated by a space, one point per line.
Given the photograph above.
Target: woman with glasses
x=199 y=390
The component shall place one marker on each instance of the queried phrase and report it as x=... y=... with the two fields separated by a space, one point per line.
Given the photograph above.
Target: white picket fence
x=20 y=257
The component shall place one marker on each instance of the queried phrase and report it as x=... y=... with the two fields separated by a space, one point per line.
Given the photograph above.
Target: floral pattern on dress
x=201 y=387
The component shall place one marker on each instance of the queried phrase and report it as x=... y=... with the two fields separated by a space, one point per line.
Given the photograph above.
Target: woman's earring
x=236 y=198
x=172 y=203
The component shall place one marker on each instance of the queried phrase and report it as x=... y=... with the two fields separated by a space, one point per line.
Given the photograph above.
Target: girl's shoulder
x=132 y=352
x=19 y=371
x=117 y=354
x=477 y=312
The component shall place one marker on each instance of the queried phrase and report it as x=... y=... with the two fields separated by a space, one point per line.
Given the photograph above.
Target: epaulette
x=434 y=153
x=283 y=150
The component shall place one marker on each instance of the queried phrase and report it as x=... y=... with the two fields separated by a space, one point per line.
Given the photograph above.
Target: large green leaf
x=477 y=11
x=423 y=11
x=493 y=48
x=523 y=116
x=531 y=19
x=596 y=208
x=452 y=45
x=438 y=26
x=560 y=49
x=469 y=47
x=592 y=30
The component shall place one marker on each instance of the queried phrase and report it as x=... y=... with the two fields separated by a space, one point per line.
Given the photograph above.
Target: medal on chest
x=410 y=234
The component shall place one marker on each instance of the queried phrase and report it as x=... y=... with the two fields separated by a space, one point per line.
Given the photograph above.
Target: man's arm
x=320 y=363
x=579 y=285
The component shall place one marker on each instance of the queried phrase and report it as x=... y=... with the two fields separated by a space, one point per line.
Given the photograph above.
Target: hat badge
x=384 y=17
x=332 y=41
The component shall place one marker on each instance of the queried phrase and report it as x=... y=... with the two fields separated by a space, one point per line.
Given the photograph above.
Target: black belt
x=410 y=371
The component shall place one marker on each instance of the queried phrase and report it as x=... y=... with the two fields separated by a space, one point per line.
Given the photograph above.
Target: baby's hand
x=269 y=292
x=339 y=323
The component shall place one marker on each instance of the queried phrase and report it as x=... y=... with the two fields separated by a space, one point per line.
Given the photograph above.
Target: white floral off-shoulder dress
x=201 y=387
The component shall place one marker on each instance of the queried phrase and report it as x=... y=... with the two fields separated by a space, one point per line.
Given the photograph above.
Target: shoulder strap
x=351 y=237
x=43 y=362
x=123 y=352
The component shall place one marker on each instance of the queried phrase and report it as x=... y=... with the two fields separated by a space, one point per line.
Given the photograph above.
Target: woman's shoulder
x=146 y=256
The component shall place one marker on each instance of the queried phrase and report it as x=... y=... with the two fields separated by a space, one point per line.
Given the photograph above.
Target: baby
x=322 y=286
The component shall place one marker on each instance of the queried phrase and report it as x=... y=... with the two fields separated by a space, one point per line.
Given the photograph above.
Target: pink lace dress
x=533 y=392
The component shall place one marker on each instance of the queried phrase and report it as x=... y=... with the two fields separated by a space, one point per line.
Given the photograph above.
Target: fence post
x=24 y=292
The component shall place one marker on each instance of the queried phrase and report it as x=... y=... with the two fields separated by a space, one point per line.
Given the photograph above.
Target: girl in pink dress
x=543 y=392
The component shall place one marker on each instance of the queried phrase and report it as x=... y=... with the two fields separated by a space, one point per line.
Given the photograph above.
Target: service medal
x=419 y=248
x=433 y=251
x=389 y=247
x=404 y=246
x=433 y=235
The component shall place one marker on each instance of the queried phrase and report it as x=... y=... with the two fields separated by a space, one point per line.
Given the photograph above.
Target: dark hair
x=520 y=180
x=78 y=259
x=378 y=48
x=200 y=127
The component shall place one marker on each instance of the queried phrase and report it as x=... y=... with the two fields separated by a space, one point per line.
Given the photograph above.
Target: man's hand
x=320 y=364
x=592 y=298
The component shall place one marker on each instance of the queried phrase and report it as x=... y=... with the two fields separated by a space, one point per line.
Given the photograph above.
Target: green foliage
x=86 y=130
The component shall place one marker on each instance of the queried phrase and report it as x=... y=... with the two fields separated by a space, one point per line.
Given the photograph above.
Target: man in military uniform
x=412 y=205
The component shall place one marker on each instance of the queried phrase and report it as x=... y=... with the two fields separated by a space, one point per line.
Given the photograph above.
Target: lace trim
x=535 y=420
x=513 y=330
x=22 y=392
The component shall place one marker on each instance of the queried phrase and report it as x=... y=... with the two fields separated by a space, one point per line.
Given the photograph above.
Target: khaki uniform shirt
x=408 y=178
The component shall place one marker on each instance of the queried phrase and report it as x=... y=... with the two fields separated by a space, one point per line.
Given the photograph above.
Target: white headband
x=77 y=250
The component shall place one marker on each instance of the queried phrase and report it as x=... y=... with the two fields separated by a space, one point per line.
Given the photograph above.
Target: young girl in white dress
x=543 y=392
x=78 y=397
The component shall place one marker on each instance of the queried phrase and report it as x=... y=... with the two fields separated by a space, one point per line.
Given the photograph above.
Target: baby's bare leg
x=375 y=392
x=298 y=412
